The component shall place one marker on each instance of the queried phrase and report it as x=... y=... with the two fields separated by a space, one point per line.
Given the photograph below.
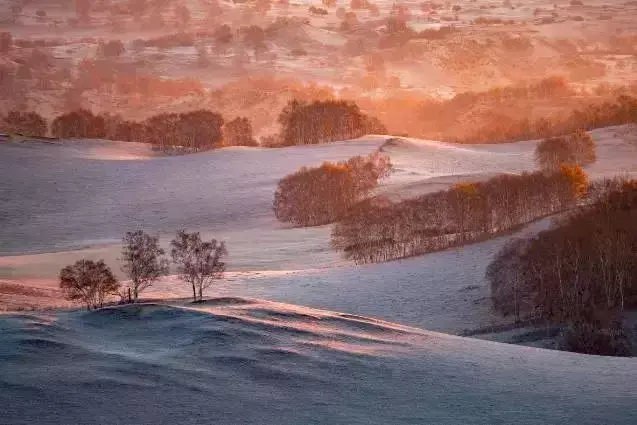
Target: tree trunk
x=194 y=292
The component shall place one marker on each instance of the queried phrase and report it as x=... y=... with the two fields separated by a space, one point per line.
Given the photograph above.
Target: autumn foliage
x=321 y=195
x=377 y=230
x=582 y=271
x=575 y=149
x=305 y=123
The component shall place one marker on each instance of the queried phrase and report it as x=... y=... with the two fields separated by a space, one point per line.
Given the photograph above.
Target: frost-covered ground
x=71 y=200
x=242 y=361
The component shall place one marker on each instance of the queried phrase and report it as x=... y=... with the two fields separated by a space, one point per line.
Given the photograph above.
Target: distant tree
x=182 y=16
x=583 y=148
x=575 y=149
x=223 y=34
x=199 y=263
x=41 y=15
x=137 y=8
x=238 y=132
x=25 y=123
x=254 y=37
x=201 y=128
x=111 y=49
x=78 y=124
x=6 y=41
x=577 y=180
x=88 y=282
x=83 y=10
x=329 y=3
x=504 y=274
x=319 y=11
x=143 y=260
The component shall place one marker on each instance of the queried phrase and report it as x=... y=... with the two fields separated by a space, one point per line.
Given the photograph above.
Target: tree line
x=582 y=272
x=301 y=123
x=200 y=129
x=322 y=195
x=377 y=230
x=198 y=262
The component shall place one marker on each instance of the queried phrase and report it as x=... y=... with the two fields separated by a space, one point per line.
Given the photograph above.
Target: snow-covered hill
x=243 y=361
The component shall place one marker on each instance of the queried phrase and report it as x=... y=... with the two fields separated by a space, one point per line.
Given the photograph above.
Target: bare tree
x=199 y=263
x=143 y=259
x=89 y=282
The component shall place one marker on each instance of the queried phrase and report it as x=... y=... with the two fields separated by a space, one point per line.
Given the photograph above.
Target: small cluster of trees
x=199 y=263
x=622 y=111
x=376 y=230
x=581 y=272
x=321 y=195
x=81 y=123
x=199 y=129
x=24 y=123
x=305 y=123
x=575 y=149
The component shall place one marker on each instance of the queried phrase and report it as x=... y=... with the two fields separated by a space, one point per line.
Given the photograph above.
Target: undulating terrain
x=294 y=333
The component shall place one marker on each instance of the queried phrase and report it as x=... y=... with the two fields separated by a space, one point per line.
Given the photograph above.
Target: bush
x=317 y=196
x=589 y=339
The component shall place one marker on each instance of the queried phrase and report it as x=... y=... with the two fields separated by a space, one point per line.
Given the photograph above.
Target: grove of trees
x=304 y=123
x=24 y=123
x=199 y=263
x=321 y=195
x=78 y=124
x=582 y=272
x=238 y=132
x=575 y=149
x=377 y=230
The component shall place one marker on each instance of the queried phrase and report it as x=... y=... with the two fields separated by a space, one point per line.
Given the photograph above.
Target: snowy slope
x=241 y=361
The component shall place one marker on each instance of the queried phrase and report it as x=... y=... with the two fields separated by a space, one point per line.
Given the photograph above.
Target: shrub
x=586 y=338
x=321 y=195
